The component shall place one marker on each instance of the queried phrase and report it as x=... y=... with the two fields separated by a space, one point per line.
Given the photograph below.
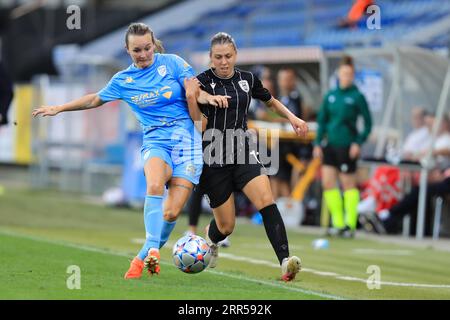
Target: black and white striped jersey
x=224 y=137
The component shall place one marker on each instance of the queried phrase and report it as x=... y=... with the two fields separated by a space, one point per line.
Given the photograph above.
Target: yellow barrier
x=22 y=116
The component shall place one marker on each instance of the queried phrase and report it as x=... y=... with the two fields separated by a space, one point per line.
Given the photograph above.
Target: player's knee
x=171 y=214
x=155 y=189
x=266 y=199
x=226 y=229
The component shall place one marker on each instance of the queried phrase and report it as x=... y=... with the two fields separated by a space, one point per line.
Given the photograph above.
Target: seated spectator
x=384 y=188
x=418 y=140
x=441 y=148
x=389 y=220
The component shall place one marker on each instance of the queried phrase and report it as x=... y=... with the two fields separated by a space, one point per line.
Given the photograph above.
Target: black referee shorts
x=218 y=183
x=339 y=158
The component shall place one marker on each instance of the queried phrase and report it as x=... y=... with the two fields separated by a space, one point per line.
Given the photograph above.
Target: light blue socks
x=166 y=231
x=153 y=221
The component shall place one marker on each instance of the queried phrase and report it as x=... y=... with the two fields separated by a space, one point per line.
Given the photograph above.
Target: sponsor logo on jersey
x=244 y=85
x=150 y=98
x=162 y=70
x=129 y=80
x=165 y=92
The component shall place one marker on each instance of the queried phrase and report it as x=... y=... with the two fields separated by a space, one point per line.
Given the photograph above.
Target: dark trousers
x=409 y=205
x=195 y=207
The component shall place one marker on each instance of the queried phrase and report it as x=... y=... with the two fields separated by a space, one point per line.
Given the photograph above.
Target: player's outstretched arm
x=89 y=101
x=300 y=126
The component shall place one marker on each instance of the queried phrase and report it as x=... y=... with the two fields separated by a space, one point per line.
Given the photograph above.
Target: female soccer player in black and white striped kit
x=222 y=172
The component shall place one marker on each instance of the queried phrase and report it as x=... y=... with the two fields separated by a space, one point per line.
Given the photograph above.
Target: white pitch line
x=321 y=273
x=308 y=292
x=397 y=284
x=335 y=275
x=138 y=240
x=129 y=255
x=383 y=252
x=248 y=260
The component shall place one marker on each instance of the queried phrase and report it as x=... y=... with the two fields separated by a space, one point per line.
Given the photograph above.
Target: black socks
x=275 y=230
x=214 y=234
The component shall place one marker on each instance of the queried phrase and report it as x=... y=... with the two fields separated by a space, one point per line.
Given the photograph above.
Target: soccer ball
x=191 y=254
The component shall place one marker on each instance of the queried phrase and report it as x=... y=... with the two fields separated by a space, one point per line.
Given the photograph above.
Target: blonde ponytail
x=159 y=48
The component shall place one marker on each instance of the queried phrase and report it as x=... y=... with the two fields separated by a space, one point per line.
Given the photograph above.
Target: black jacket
x=6 y=95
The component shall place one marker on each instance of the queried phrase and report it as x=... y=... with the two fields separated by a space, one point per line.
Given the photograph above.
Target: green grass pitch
x=43 y=233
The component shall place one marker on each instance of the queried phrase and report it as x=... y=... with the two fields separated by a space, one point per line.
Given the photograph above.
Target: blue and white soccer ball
x=191 y=254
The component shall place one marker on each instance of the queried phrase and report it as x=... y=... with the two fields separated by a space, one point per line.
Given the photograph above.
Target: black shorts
x=339 y=158
x=219 y=183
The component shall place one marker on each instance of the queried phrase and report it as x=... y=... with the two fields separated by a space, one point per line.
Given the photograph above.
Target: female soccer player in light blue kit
x=158 y=88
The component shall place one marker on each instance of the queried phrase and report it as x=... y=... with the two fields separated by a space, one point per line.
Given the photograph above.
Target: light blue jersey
x=157 y=97
x=156 y=93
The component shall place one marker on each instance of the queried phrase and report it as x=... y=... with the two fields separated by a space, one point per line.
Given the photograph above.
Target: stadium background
x=401 y=52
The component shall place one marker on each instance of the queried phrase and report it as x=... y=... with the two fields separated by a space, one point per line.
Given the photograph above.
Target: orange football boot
x=151 y=263
x=135 y=270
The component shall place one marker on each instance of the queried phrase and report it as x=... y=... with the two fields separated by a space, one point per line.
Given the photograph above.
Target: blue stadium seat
x=255 y=23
